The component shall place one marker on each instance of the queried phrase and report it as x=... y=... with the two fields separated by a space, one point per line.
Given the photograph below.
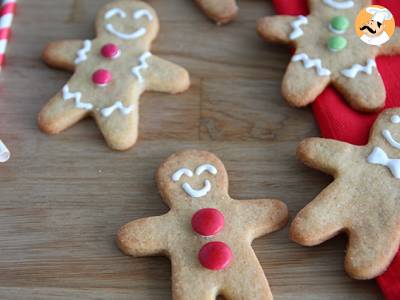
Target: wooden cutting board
x=63 y=198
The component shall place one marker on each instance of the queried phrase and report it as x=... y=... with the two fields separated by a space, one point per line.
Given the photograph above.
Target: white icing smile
x=122 y=14
x=195 y=193
x=339 y=4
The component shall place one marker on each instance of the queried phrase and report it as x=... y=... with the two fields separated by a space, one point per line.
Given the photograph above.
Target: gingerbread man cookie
x=206 y=234
x=329 y=51
x=110 y=74
x=362 y=201
x=220 y=11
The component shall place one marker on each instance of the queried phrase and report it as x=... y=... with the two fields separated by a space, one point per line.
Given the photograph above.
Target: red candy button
x=102 y=77
x=110 y=51
x=208 y=221
x=215 y=256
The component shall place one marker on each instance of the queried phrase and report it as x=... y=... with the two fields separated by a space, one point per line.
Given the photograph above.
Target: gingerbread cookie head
x=328 y=51
x=128 y=22
x=192 y=175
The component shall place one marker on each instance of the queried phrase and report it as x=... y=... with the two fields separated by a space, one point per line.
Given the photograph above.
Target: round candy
x=110 y=51
x=339 y=24
x=337 y=43
x=215 y=256
x=102 y=77
x=208 y=221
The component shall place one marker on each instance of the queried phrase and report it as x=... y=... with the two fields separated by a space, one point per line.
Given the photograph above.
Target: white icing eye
x=115 y=11
x=178 y=174
x=206 y=167
x=142 y=13
x=395 y=119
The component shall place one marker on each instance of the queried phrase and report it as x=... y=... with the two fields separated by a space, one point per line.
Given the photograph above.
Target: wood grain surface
x=64 y=197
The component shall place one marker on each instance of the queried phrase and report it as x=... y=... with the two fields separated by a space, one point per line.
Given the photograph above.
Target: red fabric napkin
x=337 y=120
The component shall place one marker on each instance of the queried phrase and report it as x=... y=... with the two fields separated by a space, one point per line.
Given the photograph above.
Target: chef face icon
x=375 y=25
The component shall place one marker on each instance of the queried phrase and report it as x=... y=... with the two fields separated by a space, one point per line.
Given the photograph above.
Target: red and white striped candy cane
x=7 y=11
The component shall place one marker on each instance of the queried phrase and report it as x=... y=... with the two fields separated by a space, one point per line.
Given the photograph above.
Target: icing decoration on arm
x=206 y=167
x=183 y=171
x=389 y=138
x=115 y=11
x=379 y=157
x=82 y=53
x=143 y=13
x=296 y=25
x=77 y=96
x=311 y=63
x=125 y=110
x=143 y=65
x=356 y=68
x=197 y=193
x=395 y=119
x=339 y=5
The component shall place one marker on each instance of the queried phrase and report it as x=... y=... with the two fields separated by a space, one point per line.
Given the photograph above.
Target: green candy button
x=339 y=24
x=337 y=43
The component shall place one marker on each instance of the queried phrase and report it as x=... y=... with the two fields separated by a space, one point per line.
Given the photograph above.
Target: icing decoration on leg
x=77 y=96
x=311 y=63
x=296 y=25
x=218 y=249
x=115 y=105
x=82 y=53
x=142 y=65
x=125 y=110
x=356 y=68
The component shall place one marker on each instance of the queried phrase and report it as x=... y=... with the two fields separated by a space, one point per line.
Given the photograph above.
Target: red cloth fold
x=337 y=120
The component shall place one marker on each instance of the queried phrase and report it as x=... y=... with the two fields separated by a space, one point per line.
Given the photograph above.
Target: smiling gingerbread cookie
x=110 y=74
x=206 y=234
x=362 y=201
x=328 y=50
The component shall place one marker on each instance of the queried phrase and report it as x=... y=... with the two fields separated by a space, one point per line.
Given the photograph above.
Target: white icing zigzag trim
x=77 y=98
x=311 y=63
x=339 y=5
x=126 y=110
x=82 y=53
x=297 y=31
x=143 y=65
x=356 y=68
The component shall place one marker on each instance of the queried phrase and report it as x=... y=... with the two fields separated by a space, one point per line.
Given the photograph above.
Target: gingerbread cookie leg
x=119 y=124
x=63 y=110
x=325 y=215
x=278 y=29
x=370 y=251
x=220 y=11
x=302 y=91
x=373 y=94
x=62 y=54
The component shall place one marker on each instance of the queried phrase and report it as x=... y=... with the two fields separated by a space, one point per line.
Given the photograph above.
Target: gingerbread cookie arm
x=262 y=216
x=325 y=155
x=119 y=124
x=392 y=47
x=145 y=237
x=63 y=54
x=167 y=77
x=279 y=29
x=372 y=96
x=62 y=111
x=323 y=218
x=299 y=93
x=220 y=11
